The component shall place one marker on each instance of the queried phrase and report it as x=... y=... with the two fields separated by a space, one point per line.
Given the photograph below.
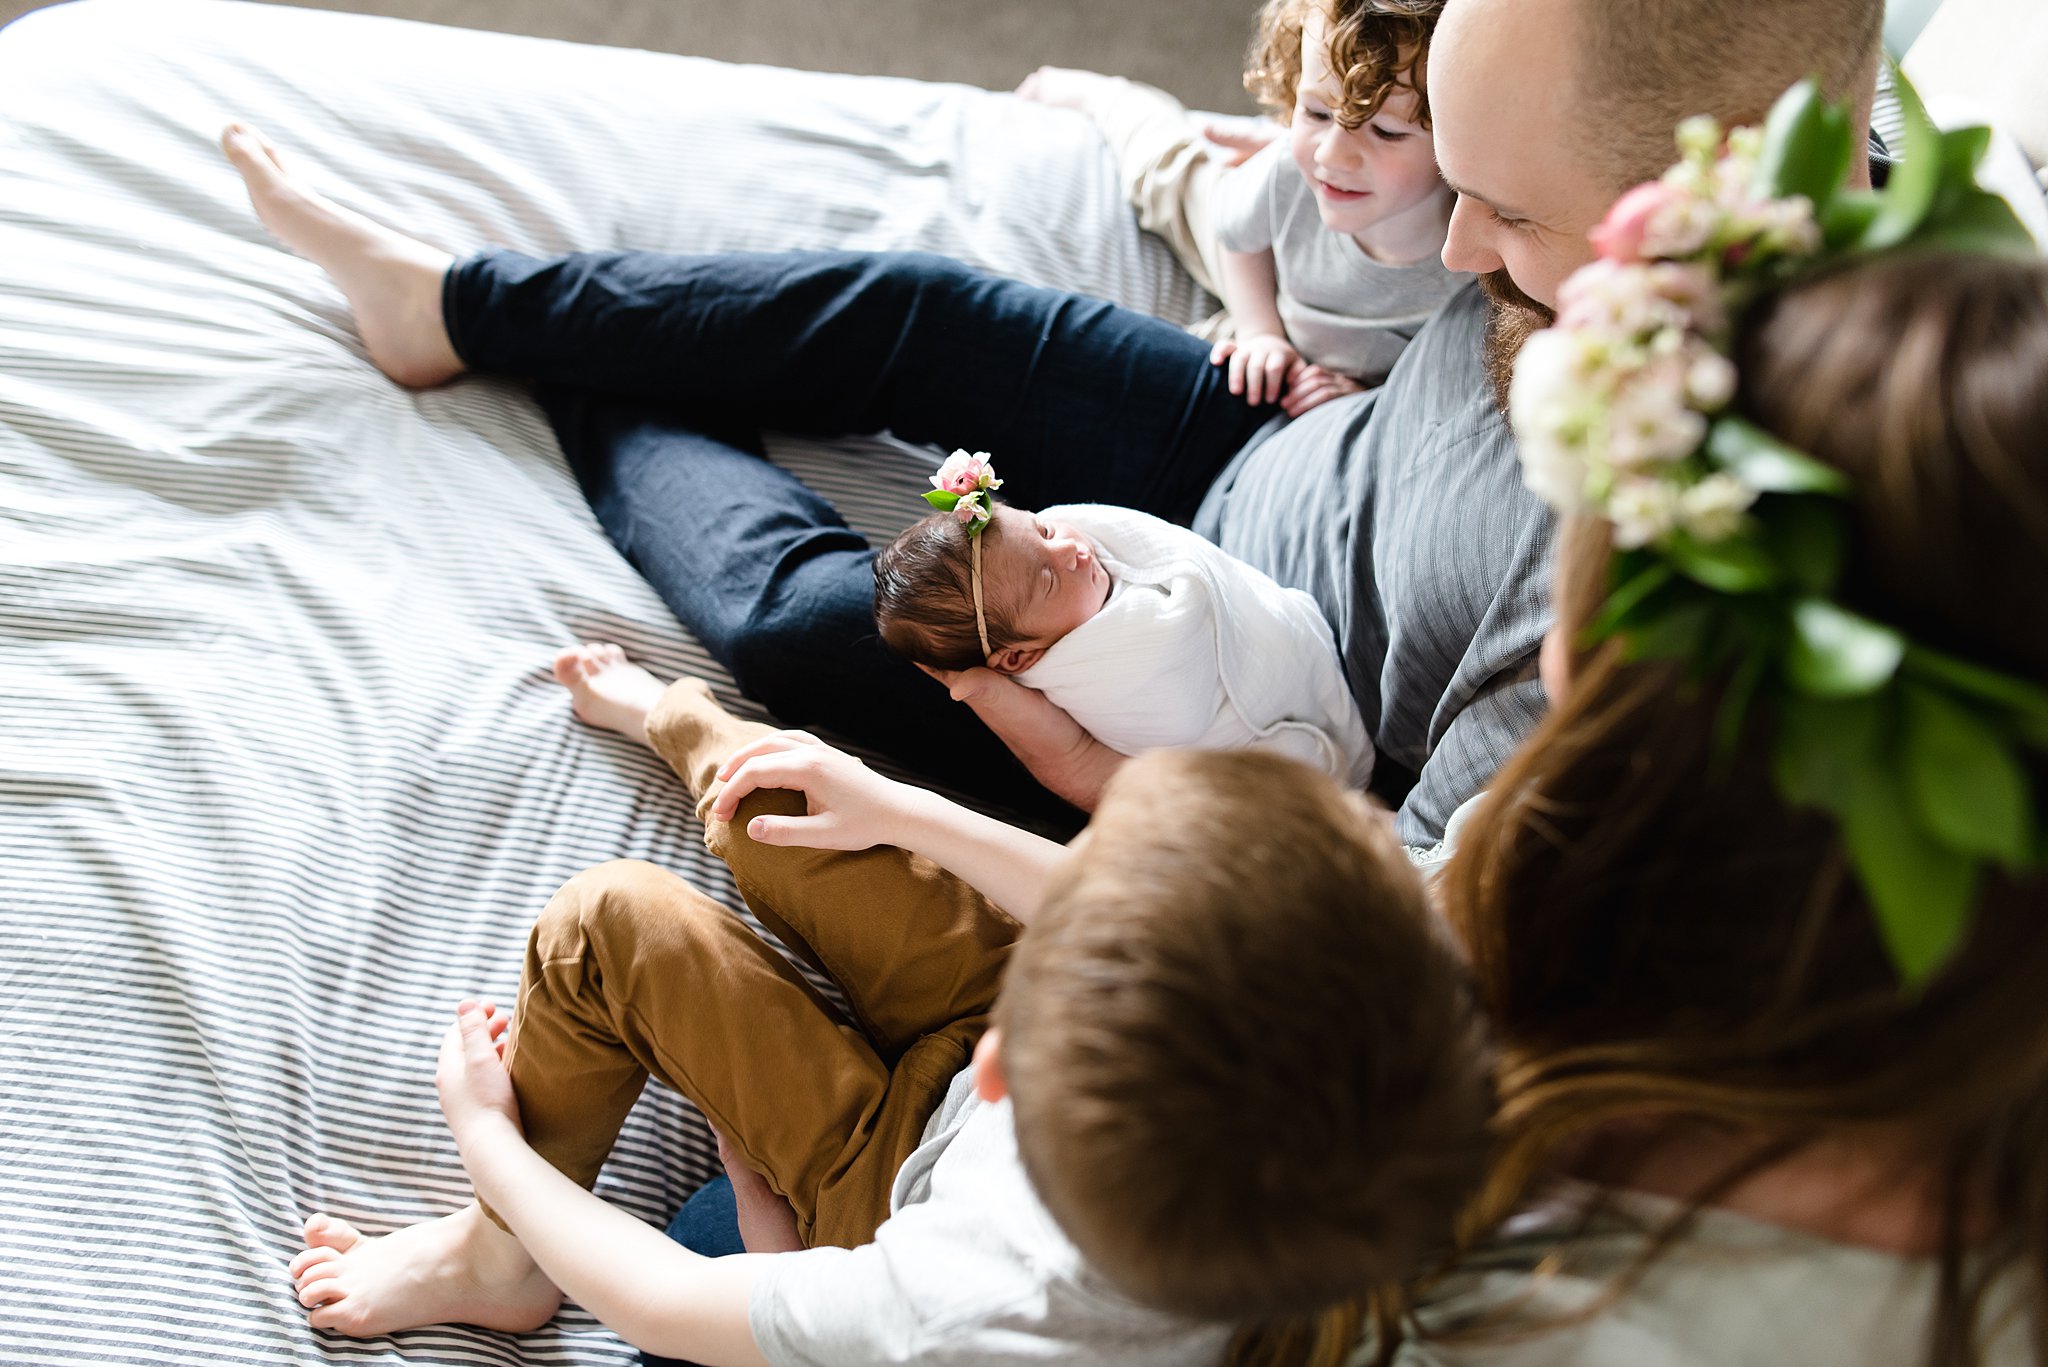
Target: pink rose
x=1620 y=235
x=961 y=474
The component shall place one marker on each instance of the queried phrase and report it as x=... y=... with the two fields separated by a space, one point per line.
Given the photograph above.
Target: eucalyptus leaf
x=1920 y=891
x=1971 y=794
x=1767 y=464
x=1976 y=222
x=1806 y=147
x=1834 y=653
x=1809 y=540
x=1915 y=180
x=1826 y=747
x=1734 y=565
x=945 y=502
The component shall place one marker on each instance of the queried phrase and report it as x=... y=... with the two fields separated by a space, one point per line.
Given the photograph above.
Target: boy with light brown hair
x=1231 y=1073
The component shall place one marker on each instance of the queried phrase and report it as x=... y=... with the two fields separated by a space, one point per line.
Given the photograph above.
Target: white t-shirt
x=1341 y=308
x=1196 y=648
x=968 y=1269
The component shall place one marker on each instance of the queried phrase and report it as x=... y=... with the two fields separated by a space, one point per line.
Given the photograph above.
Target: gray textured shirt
x=968 y=1269
x=1341 y=308
x=1402 y=512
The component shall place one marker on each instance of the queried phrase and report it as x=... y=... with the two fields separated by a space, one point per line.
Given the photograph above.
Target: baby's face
x=1045 y=574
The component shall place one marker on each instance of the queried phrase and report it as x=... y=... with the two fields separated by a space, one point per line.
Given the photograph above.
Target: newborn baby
x=1145 y=633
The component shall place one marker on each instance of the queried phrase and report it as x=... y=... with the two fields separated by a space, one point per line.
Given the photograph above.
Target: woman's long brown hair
x=1659 y=938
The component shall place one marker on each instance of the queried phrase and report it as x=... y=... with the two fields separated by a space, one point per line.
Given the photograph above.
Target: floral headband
x=1730 y=544
x=965 y=487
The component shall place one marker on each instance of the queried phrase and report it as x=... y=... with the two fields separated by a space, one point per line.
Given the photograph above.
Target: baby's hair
x=1376 y=47
x=1249 y=1080
x=924 y=595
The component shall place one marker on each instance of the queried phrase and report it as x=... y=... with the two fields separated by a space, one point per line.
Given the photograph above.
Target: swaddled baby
x=1145 y=633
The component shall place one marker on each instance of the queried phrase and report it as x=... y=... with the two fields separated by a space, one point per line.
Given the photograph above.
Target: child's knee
x=602 y=902
x=729 y=839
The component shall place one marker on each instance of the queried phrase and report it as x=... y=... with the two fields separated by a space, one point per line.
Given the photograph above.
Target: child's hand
x=475 y=1088
x=767 y=1221
x=1240 y=144
x=1262 y=365
x=1314 y=386
x=848 y=805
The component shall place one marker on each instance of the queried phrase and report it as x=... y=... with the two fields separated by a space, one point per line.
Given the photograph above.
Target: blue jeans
x=659 y=372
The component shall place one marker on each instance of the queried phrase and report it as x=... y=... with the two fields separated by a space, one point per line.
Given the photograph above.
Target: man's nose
x=1467 y=246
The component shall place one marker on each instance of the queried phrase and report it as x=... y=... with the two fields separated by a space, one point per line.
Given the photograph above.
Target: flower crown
x=965 y=487
x=1730 y=544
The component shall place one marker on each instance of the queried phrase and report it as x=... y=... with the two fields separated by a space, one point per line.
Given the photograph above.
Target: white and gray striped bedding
x=282 y=773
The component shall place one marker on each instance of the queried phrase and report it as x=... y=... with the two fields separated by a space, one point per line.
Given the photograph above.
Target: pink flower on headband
x=962 y=473
x=1620 y=235
x=969 y=510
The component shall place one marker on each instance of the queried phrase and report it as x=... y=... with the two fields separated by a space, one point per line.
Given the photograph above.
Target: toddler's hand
x=848 y=805
x=1262 y=365
x=471 y=1078
x=1314 y=386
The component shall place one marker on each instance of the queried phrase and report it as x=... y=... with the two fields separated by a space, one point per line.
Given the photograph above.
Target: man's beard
x=1512 y=317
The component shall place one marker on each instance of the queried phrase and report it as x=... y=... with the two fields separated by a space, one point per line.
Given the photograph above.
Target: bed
x=282 y=771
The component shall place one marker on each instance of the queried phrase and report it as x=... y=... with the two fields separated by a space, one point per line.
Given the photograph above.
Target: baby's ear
x=1015 y=659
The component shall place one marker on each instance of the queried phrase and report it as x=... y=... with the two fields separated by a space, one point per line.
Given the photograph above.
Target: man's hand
x=848 y=805
x=1313 y=386
x=1239 y=145
x=1059 y=751
x=475 y=1088
x=1263 y=365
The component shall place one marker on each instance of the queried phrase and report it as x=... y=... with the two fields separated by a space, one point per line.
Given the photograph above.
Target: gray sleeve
x=1244 y=206
x=1475 y=745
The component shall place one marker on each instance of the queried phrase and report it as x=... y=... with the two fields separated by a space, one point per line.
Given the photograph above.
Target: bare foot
x=392 y=282
x=1066 y=87
x=460 y=1269
x=607 y=689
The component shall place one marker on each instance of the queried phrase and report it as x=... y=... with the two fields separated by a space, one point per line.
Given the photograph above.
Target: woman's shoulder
x=1557 y=1286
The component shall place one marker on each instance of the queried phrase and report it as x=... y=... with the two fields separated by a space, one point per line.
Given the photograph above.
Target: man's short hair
x=1645 y=65
x=1248 y=1078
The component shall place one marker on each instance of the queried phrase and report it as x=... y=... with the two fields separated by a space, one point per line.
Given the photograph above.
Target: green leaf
x=1836 y=654
x=1976 y=222
x=1920 y=891
x=1847 y=218
x=2027 y=703
x=1971 y=794
x=1961 y=150
x=1628 y=595
x=1914 y=182
x=1825 y=747
x=1674 y=634
x=1734 y=565
x=1808 y=539
x=1764 y=463
x=942 y=500
x=1807 y=146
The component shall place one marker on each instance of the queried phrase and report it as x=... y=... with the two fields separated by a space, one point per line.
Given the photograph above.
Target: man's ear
x=989 y=1082
x=1015 y=659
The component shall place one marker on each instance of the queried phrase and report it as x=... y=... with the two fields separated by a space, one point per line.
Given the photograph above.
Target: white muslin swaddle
x=1197 y=648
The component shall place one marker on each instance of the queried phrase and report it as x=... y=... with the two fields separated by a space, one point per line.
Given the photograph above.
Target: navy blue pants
x=659 y=373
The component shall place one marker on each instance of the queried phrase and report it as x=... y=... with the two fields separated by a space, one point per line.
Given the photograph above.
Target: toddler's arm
x=654 y=1293
x=851 y=807
x=1263 y=363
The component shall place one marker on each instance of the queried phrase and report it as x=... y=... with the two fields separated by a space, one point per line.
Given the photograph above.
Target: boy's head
x=1039 y=580
x=1346 y=76
x=1247 y=1076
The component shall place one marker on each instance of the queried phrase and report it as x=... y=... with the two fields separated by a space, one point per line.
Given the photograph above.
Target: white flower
x=1642 y=511
x=1709 y=379
x=1648 y=423
x=1713 y=509
x=1681 y=227
x=1553 y=470
x=1699 y=137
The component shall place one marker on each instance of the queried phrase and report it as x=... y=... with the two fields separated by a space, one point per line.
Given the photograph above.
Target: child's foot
x=460 y=1269
x=1067 y=87
x=392 y=282
x=607 y=689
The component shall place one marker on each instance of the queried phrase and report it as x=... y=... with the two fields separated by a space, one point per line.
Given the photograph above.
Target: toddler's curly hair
x=1376 y=48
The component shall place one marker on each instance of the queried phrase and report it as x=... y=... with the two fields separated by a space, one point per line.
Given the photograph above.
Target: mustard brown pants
x=631 y=972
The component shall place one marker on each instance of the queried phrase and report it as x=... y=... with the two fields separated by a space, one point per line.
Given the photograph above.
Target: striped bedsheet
x=282 y=772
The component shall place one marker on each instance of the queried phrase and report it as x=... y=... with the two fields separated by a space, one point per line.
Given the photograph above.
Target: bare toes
x=326 y=1231
x=311 y=1257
